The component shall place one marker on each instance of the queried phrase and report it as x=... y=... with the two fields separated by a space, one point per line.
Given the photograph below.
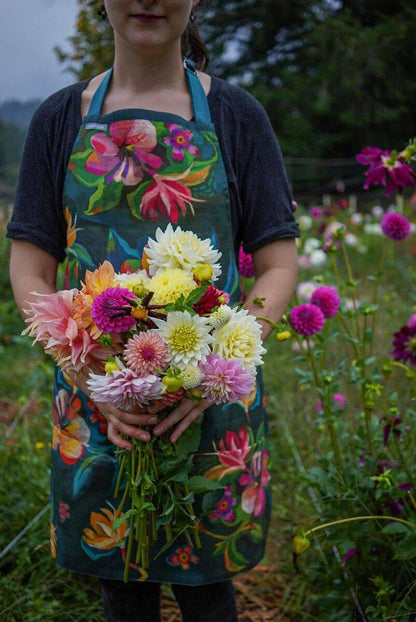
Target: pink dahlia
x=146 y=353
x=307 y=319
x=327 y=299
x=316 y=212
x=225 y=380
x=208 y=301
x=405 y=344
x=386 y=168
x=50 y=320
x=111 y=310
x=245 y=264
x=395 y=226
x=123 y=389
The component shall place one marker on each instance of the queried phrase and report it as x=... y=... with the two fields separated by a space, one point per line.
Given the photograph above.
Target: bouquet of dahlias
x=147 y=339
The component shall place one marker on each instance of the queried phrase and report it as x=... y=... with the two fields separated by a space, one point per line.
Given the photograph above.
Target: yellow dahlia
x=240 y=338
x=169 y=284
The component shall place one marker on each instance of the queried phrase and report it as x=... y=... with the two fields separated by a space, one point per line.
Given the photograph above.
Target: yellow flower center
x=183 y=339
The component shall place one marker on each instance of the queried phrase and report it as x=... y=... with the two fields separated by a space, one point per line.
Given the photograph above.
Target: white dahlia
x=174 y=248
x=187 y=336
x=240 y=338
x=191 y=376
x=132 y=279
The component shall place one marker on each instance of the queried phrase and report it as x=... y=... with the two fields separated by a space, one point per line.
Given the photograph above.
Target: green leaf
x=134 y=199
x=122 y=519
x=199 y=483
x=195 y=295
x=407 y=548
x=395 y=527
x=104 y=198
x=82 y=253
x=188 y=442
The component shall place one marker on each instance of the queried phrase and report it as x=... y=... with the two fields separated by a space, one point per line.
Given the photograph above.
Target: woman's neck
x=148 y=71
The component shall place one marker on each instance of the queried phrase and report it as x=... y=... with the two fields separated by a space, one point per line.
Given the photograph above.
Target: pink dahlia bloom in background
x=245 y=264
x=234 y=450
x=111 y=310
x=307 y=319
x=225 y=380
x=123 y=389
x=146 y=353
x=254 y=481
x=326 y=298
x=50 y=321
x=395 y=226
x=404 y=344
x=392 y=172
x=180 y=141
x=338 y=401
x=124 y=155
x=316 y=212
x=208 y=301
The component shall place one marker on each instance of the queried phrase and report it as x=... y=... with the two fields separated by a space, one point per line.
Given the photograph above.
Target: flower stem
x=402 y=458
x=359 y=518
x=352 y=285
x=129 y=547
x=375 y=294
x=120 y=475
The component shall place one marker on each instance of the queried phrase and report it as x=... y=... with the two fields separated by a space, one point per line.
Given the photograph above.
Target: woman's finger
x=114 y=436
x=176 y=415
x=129 y=430
x=133 y=419
x=185 y=423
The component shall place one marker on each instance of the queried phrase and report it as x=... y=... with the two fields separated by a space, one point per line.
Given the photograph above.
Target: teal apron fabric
x=130 y=172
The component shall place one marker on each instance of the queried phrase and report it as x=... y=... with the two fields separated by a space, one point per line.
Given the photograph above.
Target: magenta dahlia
x=111 y=310
x=146 y=353
x=395 y=226
x=326 y=298
x=307 y=319
x=225 y=380
x=387 y=168
x=245 y=264
x=404 y=343
x=208 y=301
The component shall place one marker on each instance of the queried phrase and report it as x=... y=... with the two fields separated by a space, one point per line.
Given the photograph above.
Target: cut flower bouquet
x=146 y=340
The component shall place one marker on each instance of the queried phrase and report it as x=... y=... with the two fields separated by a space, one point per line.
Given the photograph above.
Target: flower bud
x=300 y=544
x=202 y=272
x=139 y=313
x=283 y=335
x=172 y=383
x=139 y=290
x=111 y=366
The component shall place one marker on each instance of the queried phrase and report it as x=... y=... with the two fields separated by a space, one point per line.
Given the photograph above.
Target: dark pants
x=140 y=602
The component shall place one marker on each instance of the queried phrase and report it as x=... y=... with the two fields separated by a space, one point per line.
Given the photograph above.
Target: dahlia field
x=340 y=383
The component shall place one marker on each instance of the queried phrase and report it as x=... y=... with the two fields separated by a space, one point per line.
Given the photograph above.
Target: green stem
x=120 y=475
x=351 y=280
x=375 y=294
x=128 y=552
x=358 y=518
x=337 y=275
x=402 y=458
x=345 y=326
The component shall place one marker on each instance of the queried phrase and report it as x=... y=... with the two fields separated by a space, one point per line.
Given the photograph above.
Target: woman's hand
x=185 y=413
x=119 y=421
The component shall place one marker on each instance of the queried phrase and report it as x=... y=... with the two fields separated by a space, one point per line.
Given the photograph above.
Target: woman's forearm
x=276 y=286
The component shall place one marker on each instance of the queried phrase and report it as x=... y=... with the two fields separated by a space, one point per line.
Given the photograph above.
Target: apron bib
x=130 y=172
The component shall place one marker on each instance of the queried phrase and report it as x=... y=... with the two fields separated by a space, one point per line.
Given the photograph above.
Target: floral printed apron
x=130 y=172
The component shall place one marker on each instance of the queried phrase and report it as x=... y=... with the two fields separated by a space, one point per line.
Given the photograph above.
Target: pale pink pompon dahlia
x=307 y=319
x=123 y=389
x=225 y=380
x=50 y=321
x=146 y=353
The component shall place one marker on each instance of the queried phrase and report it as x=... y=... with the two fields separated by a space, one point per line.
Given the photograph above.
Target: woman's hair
x=194 y=47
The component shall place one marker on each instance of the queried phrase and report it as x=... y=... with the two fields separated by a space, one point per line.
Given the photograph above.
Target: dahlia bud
x=172 y=383
x=111 y=366
x=139 y=290
x=300 y=544
x=284 y=335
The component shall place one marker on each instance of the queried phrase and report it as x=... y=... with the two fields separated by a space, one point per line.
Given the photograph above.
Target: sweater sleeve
x=37 y=213
x=267 y=210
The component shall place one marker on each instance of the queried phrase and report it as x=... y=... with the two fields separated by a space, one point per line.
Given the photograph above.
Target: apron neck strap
x=199 y=99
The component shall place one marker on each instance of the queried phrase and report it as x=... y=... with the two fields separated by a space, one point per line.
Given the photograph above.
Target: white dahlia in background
x=187 y=336
x=132 y=280
x=240 y=338
x=174 y=248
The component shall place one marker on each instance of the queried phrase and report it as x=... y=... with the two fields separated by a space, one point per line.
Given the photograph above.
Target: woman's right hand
x=119 y=421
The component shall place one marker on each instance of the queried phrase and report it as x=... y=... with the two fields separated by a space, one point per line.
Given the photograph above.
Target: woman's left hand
x=184 y=414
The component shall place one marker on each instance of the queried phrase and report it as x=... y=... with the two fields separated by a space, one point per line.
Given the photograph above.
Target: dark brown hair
x=194 y=47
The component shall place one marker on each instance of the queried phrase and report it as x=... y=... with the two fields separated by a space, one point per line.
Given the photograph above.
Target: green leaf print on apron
x=130 y=172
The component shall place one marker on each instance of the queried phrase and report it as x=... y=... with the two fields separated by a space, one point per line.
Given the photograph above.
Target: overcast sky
x=29 y=29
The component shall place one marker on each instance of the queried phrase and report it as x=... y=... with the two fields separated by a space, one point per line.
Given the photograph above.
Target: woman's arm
x=34 y=270
x=275 y=269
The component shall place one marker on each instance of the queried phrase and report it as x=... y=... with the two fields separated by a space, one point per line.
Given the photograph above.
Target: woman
x=151 y=142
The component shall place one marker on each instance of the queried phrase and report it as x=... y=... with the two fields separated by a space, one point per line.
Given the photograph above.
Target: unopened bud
x=139 y=290
x=300 y=544
x=172 y=383
x=111 y=366
x=284 y=335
